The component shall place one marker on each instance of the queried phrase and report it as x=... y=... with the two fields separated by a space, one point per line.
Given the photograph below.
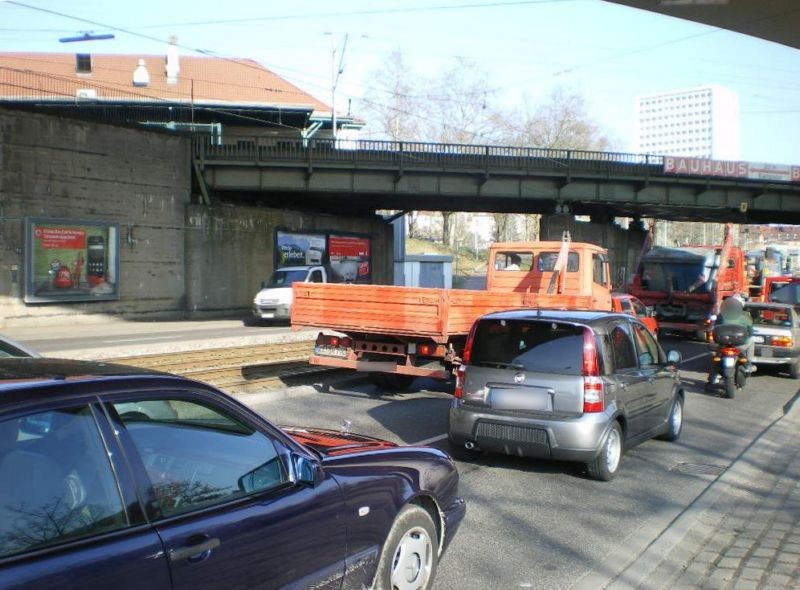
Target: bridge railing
x=441 y=156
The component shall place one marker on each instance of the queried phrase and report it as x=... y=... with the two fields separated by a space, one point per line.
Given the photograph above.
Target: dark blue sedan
x=115 y=478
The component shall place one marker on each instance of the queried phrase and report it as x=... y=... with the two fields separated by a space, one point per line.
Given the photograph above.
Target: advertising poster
x=71 y=261
x=350 y=259
x=299 y=249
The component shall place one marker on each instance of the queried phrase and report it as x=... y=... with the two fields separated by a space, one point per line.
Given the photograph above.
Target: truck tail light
x=462 y=368
x=425 y=349
x=333 y=341
x=593 y=388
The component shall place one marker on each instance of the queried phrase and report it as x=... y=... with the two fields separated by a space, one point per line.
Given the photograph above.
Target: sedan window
x=56 y=481
x=197 y=455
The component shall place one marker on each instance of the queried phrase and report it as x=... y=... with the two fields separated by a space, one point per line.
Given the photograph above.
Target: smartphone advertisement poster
x=71 y=261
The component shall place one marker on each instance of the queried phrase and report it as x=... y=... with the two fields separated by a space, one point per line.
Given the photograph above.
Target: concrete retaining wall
x=82 y=171
x=623 y=245
x=176 y=259
x=230 y=250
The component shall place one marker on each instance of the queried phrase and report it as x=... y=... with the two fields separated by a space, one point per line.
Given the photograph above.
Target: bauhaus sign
x=729 y=169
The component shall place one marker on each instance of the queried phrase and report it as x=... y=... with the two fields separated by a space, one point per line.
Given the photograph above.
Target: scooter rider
x=731 y=311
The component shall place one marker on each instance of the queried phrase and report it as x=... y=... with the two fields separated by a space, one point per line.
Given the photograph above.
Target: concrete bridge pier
x=623 y=243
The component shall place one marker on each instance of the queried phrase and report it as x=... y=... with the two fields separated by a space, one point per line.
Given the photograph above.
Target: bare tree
x=457 y=106
x=393 y=108
x=560 y=122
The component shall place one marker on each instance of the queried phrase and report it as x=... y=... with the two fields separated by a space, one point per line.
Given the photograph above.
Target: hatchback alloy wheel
x=613 y=450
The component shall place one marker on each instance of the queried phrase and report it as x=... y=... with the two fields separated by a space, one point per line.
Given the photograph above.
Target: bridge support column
x=623 y=244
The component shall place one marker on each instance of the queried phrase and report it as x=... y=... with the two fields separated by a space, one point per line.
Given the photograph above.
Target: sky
x=607 y=53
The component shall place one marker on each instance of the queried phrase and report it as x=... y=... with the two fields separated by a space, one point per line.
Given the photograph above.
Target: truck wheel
x=400 y=382
x=391 y=382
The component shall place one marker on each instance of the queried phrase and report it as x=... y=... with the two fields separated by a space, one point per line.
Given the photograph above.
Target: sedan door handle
x=196 y=551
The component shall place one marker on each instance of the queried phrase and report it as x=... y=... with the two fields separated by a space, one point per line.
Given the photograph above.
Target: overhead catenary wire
x=561 y=72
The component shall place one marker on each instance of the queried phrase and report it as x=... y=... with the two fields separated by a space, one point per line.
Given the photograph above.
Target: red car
x=625 y=303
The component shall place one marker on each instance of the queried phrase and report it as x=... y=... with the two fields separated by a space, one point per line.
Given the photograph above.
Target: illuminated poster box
x=71 y=261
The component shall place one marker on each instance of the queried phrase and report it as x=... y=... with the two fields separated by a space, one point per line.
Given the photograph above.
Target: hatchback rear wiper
x=499 y=365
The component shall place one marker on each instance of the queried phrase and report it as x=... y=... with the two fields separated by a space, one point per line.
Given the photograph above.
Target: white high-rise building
x=698 y=122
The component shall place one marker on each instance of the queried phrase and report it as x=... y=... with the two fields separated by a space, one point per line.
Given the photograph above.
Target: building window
x=83 y=63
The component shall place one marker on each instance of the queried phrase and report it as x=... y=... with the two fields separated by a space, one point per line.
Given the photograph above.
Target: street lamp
x=336 y=71
x=87 y=36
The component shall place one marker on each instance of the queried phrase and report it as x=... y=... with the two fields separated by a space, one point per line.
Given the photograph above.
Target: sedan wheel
x=410 y=554
x=605 y=466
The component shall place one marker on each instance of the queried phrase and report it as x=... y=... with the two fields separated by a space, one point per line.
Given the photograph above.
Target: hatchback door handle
x=195 y=551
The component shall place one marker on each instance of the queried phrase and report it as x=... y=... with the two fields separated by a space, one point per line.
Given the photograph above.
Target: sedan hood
x=331 y=443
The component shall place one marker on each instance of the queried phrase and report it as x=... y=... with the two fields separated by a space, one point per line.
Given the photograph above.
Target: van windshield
x=285 y=278
x=529 y=345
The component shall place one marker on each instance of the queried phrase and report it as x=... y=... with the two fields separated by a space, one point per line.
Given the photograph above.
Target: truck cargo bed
x=411 y=311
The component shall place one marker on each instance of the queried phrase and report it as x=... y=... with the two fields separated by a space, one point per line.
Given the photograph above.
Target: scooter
x=729 y=361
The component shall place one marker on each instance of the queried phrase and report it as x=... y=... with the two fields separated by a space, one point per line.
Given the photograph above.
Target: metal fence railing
x=438 y=156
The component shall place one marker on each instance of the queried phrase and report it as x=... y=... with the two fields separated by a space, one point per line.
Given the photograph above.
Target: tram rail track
x=238 y=369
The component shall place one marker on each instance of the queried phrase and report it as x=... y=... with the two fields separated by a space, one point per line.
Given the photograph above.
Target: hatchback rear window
x=771 y=316
x=540 y=346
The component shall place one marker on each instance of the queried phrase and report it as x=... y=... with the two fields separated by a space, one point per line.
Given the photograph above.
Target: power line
x=371 y=12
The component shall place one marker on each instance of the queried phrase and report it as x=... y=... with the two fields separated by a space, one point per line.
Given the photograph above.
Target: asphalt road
x=538 y=524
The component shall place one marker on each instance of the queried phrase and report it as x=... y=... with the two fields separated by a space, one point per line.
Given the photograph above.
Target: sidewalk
x=743 y=532
x=119 y=338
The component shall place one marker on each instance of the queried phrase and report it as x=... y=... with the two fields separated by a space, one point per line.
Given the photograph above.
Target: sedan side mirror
x=674 y=357
x=307 y=471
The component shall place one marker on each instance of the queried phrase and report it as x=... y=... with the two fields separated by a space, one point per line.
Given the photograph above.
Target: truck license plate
x=330 y=351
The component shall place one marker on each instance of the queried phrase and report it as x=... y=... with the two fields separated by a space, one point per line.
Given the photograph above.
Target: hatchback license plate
x=330 y=351
x=522 y=399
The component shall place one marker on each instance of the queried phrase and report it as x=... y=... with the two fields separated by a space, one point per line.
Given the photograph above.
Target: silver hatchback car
x=776 y=336
x=567 y=385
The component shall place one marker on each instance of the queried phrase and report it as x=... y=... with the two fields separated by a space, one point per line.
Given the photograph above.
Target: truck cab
x=274 y=300
x=555 y=268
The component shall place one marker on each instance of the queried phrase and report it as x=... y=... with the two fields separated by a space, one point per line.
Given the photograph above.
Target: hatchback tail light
x=786 y=341
x=593 y=388
x=462 y=368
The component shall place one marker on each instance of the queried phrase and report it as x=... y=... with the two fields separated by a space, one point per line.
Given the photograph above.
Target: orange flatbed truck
x=399 y=333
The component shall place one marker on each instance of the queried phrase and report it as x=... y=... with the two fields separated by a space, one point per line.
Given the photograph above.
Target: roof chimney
x=140 y=75
x=172 y=67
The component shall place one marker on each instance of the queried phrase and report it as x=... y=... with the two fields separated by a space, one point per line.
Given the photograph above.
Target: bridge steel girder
x=362 y=180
